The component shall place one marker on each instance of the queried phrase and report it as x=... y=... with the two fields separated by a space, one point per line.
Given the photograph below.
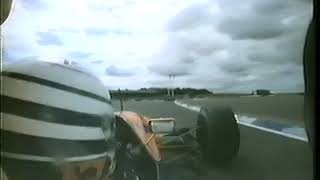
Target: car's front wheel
x=218 y=135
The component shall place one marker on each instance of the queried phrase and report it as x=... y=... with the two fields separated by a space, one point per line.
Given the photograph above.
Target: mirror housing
x=162 y=125
x=6 y=6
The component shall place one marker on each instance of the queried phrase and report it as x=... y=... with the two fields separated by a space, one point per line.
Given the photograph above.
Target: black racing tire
x=218 y=136
x=309 y=68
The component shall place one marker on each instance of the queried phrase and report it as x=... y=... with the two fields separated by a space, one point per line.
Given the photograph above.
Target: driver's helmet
x=56 y=122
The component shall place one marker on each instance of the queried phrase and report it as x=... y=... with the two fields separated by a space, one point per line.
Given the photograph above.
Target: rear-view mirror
x=162 y=125
x=6 y=6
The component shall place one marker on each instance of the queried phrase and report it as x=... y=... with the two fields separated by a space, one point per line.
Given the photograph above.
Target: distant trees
x=263 y=92
x=191 y=91
x=151 y=92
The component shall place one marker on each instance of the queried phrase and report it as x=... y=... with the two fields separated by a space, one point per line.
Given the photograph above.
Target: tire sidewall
x=218 y=135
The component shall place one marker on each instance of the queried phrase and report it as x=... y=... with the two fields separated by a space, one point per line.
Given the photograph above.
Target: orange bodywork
x=74 y=171
x=140 y=125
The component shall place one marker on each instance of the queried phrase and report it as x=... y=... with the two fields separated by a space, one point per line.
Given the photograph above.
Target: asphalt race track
x=263 y=155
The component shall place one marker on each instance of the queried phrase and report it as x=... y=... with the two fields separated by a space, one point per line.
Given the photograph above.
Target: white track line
x=275 y=132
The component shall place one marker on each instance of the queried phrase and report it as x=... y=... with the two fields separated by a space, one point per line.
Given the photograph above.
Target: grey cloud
x=7 y=58
x=232 y=68
x=264 y=19
x=16 y=50
x=278 y=71
x=131 y=54
x=120 y=32
x=159 y=83
x=236 y=69
x=285 y=78
x=115 y=71
x=189 y=17
x=255 y=27
x=215 y=84
x=287 y=49
x=79 y=55
x=182 y=53
x=98 y=7
x=97 y=62
x=240 y=74
x=106 y=7
x=188 y=60
x=96 y=31
x=34 y=4
x=270 y=6
x=170 y=69
x=173 y=60
x=29 y=58
x=253 y=49
x=48 y=38
x=291 y=47
x=178 y=81
x=280 y=8
x=102 y=31
x=201 y=41
x=290 y=70
x=64 y=30
x=262 y=41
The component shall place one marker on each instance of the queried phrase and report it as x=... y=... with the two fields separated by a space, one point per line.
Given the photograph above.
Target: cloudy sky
x=221 y=45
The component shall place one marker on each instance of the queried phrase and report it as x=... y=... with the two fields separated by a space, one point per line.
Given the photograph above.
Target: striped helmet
x=53 y=115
